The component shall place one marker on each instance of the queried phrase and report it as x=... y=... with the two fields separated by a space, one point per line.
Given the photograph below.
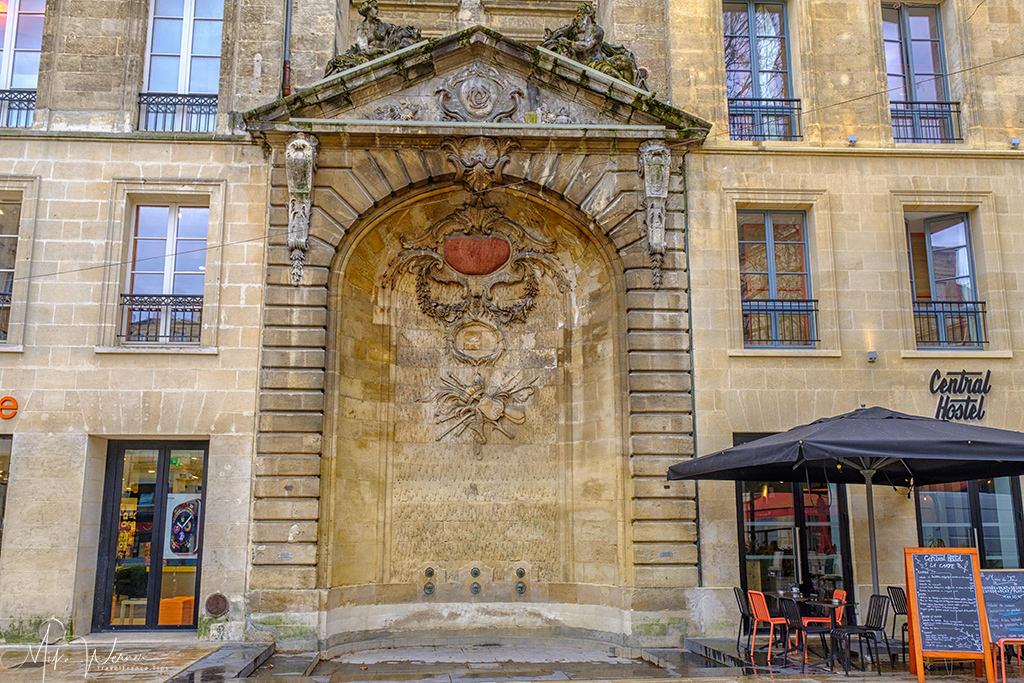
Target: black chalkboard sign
x=1004 y=602
x=947 y=603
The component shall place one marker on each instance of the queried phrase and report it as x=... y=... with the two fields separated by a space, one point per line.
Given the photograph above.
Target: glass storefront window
x=980 y=514
x=5 y=473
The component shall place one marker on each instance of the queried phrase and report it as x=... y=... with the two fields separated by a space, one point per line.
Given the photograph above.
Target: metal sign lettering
x=961 y=394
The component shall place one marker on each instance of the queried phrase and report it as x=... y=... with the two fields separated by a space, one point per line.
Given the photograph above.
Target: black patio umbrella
x=868 y=445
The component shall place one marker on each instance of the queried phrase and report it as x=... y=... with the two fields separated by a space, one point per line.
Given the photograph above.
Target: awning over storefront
x=868 y=445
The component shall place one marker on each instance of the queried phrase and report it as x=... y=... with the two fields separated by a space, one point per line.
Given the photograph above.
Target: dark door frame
x=109 y=521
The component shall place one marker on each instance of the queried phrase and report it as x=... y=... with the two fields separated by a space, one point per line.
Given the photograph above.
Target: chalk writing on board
x=1004 y=602
x=947 y=603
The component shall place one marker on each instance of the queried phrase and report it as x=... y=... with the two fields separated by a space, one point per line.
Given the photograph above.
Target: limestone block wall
x=78 y=389
x=295 y=550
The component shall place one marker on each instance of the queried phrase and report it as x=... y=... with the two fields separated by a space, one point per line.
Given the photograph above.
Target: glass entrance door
x=794 y=537
x=983 y=514
x=151 y=537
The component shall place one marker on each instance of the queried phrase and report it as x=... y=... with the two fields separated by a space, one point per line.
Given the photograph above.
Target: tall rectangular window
x=164 y=302
x=10 y=216
x=21 y=43
x=916 y=71
x=947 y=309
x=757 y=72
x=183 y=66
x=774 y=279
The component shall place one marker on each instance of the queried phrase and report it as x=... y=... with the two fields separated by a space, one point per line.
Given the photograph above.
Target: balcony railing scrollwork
x=779 y=322
x=764 y=119
x=17 y=108
x=925 y=121
x=178 y=113
x=946 y=324
x=161 y=318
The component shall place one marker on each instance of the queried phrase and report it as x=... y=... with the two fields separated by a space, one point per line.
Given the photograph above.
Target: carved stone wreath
x=478 y=93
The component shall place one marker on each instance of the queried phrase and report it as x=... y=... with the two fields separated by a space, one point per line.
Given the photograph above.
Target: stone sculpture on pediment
x=402 y=111
x=374 y=38
x=582 y=40
x=479 y=94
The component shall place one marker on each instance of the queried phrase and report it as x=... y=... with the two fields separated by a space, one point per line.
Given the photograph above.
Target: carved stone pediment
x=478 y=76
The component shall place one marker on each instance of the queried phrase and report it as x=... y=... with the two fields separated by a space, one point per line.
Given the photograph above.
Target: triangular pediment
x=476 y=77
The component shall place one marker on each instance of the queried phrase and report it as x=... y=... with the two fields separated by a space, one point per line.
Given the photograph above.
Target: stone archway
x=348 y=519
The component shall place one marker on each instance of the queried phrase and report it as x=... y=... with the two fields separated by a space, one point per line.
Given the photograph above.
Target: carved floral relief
x=478 y=93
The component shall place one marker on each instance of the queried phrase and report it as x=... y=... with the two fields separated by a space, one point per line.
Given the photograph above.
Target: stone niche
x=475 y=437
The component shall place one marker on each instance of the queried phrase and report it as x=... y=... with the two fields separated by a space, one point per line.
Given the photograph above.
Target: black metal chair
x=874 y=625
x=746 y=618
x=899 y=609
x=795 y=625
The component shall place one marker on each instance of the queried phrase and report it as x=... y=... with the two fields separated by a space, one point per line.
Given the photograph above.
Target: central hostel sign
x=961 y=394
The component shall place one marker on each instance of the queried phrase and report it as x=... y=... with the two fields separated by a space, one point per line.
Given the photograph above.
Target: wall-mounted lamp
x=872 y=356
x=1014 y=143
x=853 y=140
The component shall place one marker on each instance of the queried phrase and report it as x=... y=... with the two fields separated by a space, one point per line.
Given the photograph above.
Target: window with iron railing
x=164 y=304
x=761 y=104
x=774 y=280
x=21 y=43
x=947 y=312
x=10 y=217
x=183 y=66
x=916 y=71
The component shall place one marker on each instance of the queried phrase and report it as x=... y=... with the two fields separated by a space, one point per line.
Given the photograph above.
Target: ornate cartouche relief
x=478 y=162
x=477 y=273
x=478 y=93
x=655 y=168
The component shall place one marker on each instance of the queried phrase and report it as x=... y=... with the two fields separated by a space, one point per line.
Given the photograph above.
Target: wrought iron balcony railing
x=945 y=324
x=779 y=322
x=161 y=318
x=925 y=121
x=179 y=113
x=764 y=119
x=17 y=108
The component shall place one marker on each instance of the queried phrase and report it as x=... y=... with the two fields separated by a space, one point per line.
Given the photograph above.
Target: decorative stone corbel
x=299 y=164
x=655 y=167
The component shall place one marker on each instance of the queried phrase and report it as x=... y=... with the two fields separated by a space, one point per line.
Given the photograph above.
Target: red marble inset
x=476 y=254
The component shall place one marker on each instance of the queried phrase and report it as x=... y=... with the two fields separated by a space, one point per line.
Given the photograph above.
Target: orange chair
x=760 y=608
x=839 y=595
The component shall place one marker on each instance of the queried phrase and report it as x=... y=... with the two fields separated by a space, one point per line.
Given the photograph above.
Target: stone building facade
x=406 y=350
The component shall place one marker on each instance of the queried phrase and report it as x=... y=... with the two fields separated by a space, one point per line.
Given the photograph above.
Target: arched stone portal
x=475 y=355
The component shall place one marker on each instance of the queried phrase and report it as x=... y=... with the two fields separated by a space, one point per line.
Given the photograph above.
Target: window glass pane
x=30 y=32
x=35 y=6
x=753 y=257
x=890 y=23
x=946 y=516
x=10 y=214
x=210 y=9
x=929 y=89
x=769 y=526
x=147 y=284
x=5 y=471
x=737 y=53
x=3 y=26
x=6 y=286
x=790 y=258
x=927 y=57
x=151 y=221
x=769 y=20
x=791 y=286
x=150 y=255
x=8 y=247
x=923 y=23
x=997 y=524
x=771 y=54
x=774 y=86
x=191 y=256
x=897 y=89
x=188 y=284
x=205 y=75
x=206 y=38
x=169 y=8
x=824 y=532
x=754 y=286
x=734 y=17
x=739 y=84
x=893 y=58
x=181 y=538
x=192 y=221
x=787 y=227
x=751 y=227
x=134 y=538
x=163 y=74
x=167 y=36
x=26 y=70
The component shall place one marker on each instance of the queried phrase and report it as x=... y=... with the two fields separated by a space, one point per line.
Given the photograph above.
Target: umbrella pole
x=868 y=474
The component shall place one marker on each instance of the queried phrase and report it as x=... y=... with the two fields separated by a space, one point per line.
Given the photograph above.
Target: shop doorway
x=151 y=535
x=983 y=514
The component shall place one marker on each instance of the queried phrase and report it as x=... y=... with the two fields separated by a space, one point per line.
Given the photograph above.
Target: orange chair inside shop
x=760 y=608
x=176 y=611
x=839 y=595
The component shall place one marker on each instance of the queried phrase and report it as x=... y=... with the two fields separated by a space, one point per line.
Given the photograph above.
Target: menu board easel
x=946 y=609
